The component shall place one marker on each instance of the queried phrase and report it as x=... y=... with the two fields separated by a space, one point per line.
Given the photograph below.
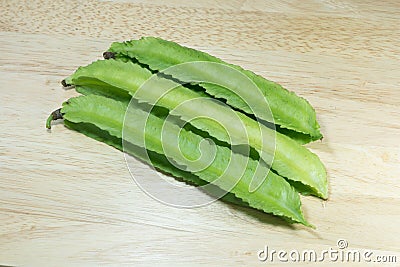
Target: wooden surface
x=66 y=199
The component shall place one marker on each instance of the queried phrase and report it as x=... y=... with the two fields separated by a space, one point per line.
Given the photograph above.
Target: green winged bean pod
x=290 y=159
x=293 y=114
x=274 y=195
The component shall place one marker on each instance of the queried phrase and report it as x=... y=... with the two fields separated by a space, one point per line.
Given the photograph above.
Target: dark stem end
x=65 y=84
x=108 y=55
x=55 y=115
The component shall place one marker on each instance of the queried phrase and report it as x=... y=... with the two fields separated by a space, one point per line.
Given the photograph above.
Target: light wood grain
x=69 y=200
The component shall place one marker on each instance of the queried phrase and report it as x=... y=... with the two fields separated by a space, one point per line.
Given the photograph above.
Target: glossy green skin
x=274 y=195
x=289 y=111
x=290 y=159
x=158 y=161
